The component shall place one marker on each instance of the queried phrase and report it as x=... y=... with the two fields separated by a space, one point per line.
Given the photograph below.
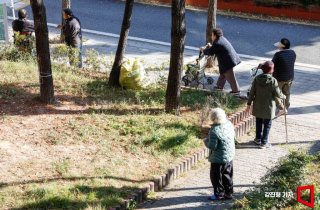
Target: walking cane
x=285 y=121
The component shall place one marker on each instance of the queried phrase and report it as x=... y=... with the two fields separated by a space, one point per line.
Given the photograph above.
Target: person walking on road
x=221 y=142
x=23 y=29
x=284 y=61
x=263 y=93
x=73 y=37
x=227 y=60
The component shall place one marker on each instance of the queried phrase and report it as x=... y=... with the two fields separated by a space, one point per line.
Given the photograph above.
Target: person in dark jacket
x=284 y=61
x=263 y=92
x=22 y=30
x=227 y=59
x=221 y=143
x=73 y=37
x=22 y=25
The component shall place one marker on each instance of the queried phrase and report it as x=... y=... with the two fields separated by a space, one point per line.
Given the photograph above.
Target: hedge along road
x=248 y=36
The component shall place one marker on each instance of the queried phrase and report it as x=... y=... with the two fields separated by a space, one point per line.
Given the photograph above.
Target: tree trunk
x=64 y=4
x=43 y=53
x=126 y=22
x=178 y=33
x=212 y=18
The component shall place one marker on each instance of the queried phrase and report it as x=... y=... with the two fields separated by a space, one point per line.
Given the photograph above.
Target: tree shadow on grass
x=193 y=98
x=78 y=197
x=179 y=139
x=126 y=111
x=99 y=90
x=55 y=203
x=9 y=91
x=20 y=100
x=17 y=99
x=176 y=140
x=48 y=180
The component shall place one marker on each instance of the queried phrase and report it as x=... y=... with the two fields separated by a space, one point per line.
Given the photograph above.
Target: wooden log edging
x=243 y=122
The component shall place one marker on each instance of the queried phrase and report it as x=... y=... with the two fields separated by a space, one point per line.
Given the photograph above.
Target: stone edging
x=243 y=121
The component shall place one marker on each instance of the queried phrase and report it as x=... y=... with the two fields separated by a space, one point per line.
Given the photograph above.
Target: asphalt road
x=251 y=37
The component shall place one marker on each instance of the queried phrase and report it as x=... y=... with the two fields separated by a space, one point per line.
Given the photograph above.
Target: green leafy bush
x=93 y=60
x=285 y=177
x=10 y=53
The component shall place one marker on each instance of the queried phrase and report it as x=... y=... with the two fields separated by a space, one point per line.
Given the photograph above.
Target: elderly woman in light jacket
x=221 y=143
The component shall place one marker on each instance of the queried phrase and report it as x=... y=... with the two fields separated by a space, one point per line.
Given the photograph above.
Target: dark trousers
x=263 y=127
x=221 y=178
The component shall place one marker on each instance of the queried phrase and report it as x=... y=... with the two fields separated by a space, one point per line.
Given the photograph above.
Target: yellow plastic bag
x=24 y=43
x=132 y=74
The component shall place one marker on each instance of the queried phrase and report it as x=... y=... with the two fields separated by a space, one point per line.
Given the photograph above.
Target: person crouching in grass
x=221 y=142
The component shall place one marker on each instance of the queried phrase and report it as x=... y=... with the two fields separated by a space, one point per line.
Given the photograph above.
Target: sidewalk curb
x=243 y=122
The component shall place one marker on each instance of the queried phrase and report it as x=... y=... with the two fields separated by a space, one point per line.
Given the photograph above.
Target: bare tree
x=178 y=33
x=64 y=4
x=43 y=54
x=126 y=22
x=212 y=18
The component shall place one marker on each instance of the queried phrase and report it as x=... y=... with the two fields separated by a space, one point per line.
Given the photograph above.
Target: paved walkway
x=251 y=163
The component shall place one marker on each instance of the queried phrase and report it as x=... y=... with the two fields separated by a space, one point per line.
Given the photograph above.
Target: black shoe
x=228 y=197
x=257 y=141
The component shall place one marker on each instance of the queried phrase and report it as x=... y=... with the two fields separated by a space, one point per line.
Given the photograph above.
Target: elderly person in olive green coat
x=221 y=143
x=263 y=93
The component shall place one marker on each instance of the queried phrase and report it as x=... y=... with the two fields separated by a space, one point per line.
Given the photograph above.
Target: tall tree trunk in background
x=178 y=33
x=126 y=22
x=64 y=4
x=43 y=53
x=212 y=18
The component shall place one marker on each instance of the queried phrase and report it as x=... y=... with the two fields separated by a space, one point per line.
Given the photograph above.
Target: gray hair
x=218 y=116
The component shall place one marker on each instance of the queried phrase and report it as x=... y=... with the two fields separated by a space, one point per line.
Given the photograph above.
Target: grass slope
x=96 y=145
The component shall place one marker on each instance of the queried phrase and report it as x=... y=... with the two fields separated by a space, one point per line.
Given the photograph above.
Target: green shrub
x=10 y=53
x=92 y=59
x=63 y=54
x=95 y=61
x=285 y=177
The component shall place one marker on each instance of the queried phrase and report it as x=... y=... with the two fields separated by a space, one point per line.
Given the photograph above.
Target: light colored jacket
x=221 y=143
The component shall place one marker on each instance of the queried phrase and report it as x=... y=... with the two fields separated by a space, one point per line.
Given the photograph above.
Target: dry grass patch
x=95 y=145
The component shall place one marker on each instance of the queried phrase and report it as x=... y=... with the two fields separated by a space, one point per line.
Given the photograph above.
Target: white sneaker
x=265 y=146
